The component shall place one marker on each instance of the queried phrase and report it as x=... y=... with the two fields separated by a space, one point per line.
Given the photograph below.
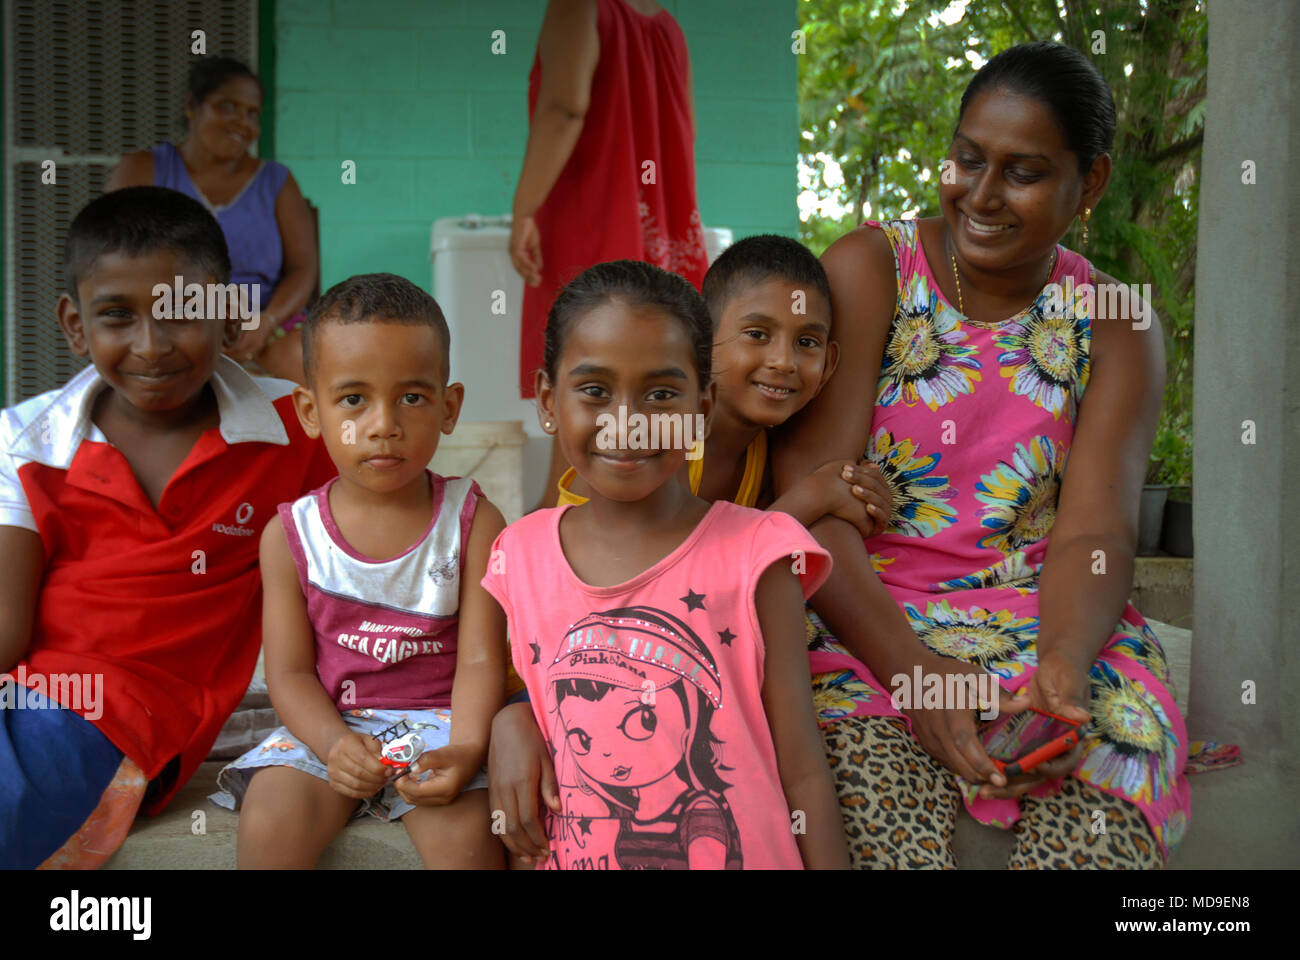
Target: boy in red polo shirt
x=131 y=505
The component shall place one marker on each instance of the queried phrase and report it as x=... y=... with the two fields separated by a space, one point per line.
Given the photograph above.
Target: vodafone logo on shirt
x=242 y=515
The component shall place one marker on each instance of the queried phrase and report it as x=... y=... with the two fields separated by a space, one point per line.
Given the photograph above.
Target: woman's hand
x=526 y=249
x=1061 y=687
x=951 y=736
x=355 y=769
x=519 y=768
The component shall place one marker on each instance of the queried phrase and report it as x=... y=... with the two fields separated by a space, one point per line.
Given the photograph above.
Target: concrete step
x=170 y=841
x=1242 y=818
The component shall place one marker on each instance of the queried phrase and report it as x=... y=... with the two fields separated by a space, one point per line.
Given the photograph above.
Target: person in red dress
x=609 y=170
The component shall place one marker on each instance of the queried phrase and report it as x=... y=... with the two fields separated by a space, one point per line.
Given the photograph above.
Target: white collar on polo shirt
x=244 y=403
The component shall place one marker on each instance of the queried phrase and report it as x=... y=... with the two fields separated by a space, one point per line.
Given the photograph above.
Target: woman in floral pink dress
x=1012 y=413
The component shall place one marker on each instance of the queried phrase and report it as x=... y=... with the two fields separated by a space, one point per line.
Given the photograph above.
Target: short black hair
x=375 y=298
x=638 y=284
x=211 y=72
x=138 y=220
x=1066 y=81
x=763 y=257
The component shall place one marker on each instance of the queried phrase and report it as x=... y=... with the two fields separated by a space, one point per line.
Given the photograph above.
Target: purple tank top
x=248 y=221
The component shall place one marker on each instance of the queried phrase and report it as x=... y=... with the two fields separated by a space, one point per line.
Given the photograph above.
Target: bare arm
x=836 y=426
x=134 y=170
x=19 y=589
x=853 y=601
x=1098 y=505
x=854 y=492
x=570 y=49
x=301 y=266
x=290 y=650
x=298 y=272
x=479 y=688
x=801 y=758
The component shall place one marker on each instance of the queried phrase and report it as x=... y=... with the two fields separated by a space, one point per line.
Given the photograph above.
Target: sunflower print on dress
x=838 y=694
x=1133 y=751
x=1021 y=495
x=998 y=641
x=920 y=508
x=1012 y=571
x=1140 y=644
x=1046 y=359
x=924 y=358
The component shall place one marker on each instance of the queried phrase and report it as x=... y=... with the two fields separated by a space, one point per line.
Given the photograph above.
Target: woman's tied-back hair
x=211 y=72
x=636 y=284
x=1065 y=80
x=375 y=298
x=139 y=220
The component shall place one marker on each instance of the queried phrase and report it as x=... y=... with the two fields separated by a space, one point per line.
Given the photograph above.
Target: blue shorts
x=54 y=768
x=283 y=749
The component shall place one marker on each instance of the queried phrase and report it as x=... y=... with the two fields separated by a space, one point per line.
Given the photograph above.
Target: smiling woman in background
x=262 y=212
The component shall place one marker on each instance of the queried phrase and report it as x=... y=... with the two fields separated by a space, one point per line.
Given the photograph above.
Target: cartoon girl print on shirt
x=634 y=691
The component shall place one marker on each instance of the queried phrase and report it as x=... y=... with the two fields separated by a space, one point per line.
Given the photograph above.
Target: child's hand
x=856 y=492
x=519 y=769
x=355 y=769
x=449 y=769
x=869 y=485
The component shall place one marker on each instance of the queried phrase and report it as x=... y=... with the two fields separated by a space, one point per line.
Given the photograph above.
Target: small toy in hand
x=402 y=752
x=401 y=747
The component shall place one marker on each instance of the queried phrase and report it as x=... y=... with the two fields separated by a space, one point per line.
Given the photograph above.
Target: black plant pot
x=1176 y=539
x=1151 y=515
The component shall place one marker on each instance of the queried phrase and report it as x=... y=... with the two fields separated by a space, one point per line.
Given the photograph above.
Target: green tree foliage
x=879 y=89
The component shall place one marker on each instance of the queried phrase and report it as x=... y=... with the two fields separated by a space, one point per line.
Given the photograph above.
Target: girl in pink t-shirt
x=661 y=638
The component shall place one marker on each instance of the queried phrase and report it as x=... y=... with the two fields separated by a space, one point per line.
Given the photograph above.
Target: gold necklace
x=961 y=306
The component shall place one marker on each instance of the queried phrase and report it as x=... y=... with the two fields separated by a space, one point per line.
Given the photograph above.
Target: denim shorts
x=283 y=749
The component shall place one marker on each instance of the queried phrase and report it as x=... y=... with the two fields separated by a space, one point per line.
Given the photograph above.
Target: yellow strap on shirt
x=751 y=481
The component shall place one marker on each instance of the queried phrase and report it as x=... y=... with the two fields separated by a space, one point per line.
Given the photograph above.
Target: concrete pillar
x=1247 y=495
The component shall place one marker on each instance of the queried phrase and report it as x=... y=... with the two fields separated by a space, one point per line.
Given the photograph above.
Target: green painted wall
x=410 y=91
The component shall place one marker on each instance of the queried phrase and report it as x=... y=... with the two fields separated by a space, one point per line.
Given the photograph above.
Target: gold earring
x=1087 y=212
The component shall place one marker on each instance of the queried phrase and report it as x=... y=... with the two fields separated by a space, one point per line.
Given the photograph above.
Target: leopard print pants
x=900 y=808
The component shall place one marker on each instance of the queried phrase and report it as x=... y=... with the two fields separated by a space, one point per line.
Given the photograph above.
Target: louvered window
x=84 y=82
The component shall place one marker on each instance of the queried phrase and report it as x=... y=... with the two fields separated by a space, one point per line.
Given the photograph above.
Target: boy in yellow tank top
x=772 y=354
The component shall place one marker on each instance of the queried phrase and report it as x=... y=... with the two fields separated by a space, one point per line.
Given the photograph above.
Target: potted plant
x=1151 y=518
x=1176 y=535
x=1165 y=516
x=1169 y=466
